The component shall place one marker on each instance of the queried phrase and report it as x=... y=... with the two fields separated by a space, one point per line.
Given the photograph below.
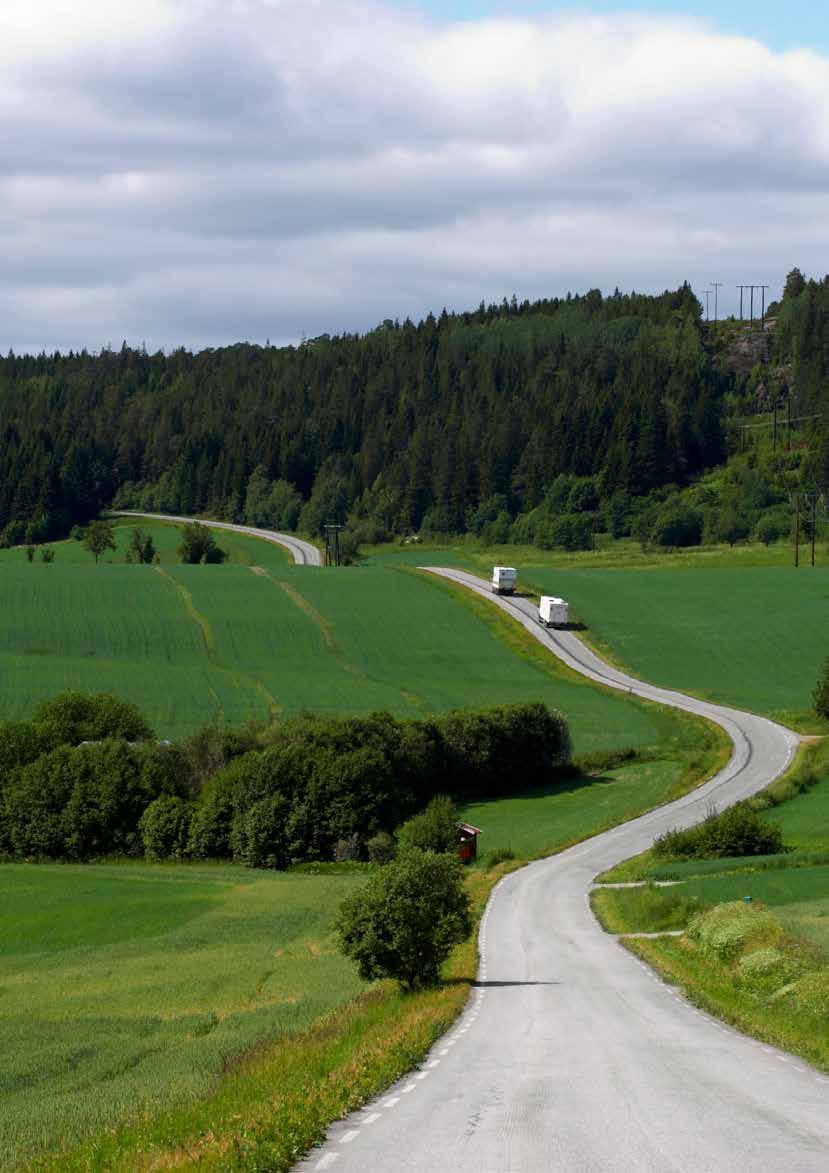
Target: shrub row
x=327 y=782
x=83 y=779
x=738 y=831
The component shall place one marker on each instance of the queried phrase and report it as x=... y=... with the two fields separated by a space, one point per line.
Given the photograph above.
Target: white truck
x=552 y=611
x=504 y=579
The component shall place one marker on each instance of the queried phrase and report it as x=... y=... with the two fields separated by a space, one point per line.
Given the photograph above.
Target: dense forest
x=524 y=421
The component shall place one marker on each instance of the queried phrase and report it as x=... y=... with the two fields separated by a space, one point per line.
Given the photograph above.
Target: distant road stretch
x=572 y=1056
x=304 y=553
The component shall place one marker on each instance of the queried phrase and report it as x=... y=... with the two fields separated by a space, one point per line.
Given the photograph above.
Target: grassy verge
x=272 y=1105
x=642 y=910
x=792 y=1017
x=755 y=950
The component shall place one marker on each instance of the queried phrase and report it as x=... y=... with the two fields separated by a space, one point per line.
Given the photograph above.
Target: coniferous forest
x=520 y=420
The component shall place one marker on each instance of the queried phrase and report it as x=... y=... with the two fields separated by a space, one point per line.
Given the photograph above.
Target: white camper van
x=553 y=612
x=504 y=579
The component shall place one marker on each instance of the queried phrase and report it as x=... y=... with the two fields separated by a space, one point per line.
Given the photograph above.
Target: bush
x=771 y=528
x=677 y=524
x=727 y=930
x=21 y=742
x=405 y=921
x=820 y=697
x=766 y=969
x=809 y=993
x=435 y=829
x=164 y=828
x=483 y=748
x=381 y=848
x=198 y=544
x=738 y=831
x=77 y=802
x=349 y=849
x=72 y=717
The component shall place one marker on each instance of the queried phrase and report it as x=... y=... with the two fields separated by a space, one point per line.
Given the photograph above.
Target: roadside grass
x=651 y=909
x=643 y=910
x=712 y=632
x=794 y=1018
x=272 y=1104
x=775 y=988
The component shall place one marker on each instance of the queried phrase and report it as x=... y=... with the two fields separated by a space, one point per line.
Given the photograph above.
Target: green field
x=541 y=820
x=753 y=637
x=257 y=636
x=124 y=984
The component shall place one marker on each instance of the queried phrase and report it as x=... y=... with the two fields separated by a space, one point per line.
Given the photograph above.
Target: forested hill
x=445 y=425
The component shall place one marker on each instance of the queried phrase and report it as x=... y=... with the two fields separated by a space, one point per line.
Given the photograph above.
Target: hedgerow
x=308 y=789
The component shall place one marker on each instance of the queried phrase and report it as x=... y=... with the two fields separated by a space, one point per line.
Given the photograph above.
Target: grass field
x=123 y=984
x=540 y=821
x=258 y=636
x=126 y=988
x=751 y=637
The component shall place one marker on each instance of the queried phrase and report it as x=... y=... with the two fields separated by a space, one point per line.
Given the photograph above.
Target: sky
x=780 y=24
x=200 y=172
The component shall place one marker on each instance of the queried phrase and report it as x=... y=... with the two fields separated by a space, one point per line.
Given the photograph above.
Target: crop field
x=257 y=636
x=749 y=637
x=126 y=988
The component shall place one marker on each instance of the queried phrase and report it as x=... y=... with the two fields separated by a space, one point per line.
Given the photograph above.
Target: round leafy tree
x=405 y=921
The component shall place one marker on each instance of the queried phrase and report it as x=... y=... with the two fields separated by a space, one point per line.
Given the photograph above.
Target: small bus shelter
x=468 y=841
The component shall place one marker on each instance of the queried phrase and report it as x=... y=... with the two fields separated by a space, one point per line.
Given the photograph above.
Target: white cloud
x=201 y=170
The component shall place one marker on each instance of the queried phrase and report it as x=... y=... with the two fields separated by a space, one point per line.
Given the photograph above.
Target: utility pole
x=742 y=289
x=796 y=530
x=763 y=315
x=707 y=302
x=716 y=286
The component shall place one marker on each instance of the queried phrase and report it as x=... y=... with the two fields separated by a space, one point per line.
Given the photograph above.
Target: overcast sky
x=199 y=172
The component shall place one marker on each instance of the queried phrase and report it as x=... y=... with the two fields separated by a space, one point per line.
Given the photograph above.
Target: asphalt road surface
x=304 y=554
x=572 y=1056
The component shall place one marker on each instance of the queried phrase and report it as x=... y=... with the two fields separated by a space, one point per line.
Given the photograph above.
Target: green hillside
x=189 y=644
x=754 y=637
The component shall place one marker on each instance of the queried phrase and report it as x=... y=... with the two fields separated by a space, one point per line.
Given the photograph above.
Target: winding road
x=572 y=1056
x=304 y=554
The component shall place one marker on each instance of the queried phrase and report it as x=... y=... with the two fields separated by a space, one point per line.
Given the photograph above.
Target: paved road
x=572 y=1057
x=304 y=553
